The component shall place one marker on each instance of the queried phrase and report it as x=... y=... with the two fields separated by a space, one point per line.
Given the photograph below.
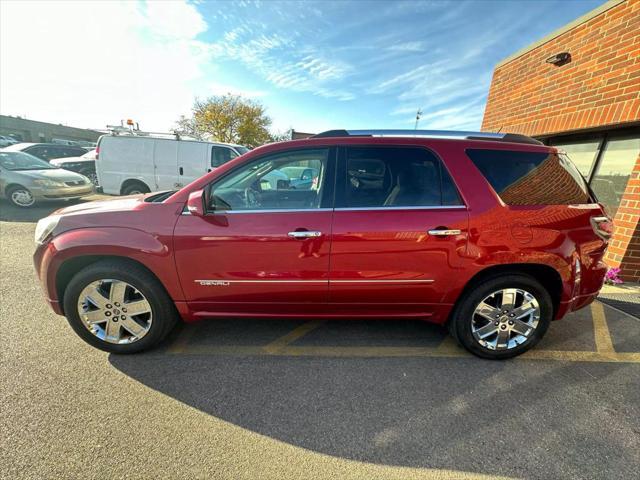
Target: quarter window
x=285 y=181
x=531 y=178
x=396 y=177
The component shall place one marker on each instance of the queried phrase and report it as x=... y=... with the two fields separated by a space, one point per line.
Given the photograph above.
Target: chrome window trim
x=434 y=207
x=273 y=210
x=342 y=209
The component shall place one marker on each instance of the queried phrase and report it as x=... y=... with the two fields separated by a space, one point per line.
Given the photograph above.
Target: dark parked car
x=84 y=165
x=47 y=151
x=493 y=235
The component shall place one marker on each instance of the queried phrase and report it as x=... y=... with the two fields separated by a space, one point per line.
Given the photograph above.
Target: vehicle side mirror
x=195 y=203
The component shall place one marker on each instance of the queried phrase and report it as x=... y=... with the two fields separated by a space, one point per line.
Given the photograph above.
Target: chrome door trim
x=226 y=283
x=383 y=281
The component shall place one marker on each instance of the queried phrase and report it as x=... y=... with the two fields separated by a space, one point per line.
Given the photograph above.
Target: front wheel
x=502 y=317
x=118 y=307
x=21 y=197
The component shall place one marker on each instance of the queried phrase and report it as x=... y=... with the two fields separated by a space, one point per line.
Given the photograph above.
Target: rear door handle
x=444 y=232
x=301 y=235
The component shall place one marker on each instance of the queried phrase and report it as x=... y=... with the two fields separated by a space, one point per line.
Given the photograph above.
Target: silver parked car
x=25 y=179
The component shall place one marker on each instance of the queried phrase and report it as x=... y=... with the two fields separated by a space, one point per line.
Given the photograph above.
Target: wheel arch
x=132 y=181
x=70 y=267
x=548 y=277
x=9 y=186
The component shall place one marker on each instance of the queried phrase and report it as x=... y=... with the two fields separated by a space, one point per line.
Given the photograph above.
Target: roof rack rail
x=503 y=137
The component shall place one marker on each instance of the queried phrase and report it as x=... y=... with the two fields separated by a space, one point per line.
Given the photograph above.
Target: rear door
x=399 y=231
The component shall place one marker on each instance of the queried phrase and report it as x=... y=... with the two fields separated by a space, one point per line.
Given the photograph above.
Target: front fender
x=152 y=251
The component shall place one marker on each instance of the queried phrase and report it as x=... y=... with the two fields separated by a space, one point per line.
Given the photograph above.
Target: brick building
x=578 y=88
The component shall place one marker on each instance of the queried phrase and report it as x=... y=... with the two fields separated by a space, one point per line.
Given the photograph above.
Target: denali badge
x=213 y=283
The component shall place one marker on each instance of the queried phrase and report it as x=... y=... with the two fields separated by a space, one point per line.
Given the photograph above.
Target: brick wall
x=624 y=250
x=599 y=86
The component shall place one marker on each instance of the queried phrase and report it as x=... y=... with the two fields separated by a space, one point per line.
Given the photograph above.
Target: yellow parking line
x=604 y=344
x=292 y=336
x=450 y=346
x=400 y=352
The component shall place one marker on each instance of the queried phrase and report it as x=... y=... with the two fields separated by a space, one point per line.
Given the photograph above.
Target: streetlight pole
x=418 y=115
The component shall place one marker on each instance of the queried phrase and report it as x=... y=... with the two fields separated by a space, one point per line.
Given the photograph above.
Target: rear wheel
x=135 y=188
x=502 y=317
x=21 y=197
x=118 y=307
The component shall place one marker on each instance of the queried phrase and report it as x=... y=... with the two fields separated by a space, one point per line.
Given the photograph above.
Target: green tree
x=229 y=119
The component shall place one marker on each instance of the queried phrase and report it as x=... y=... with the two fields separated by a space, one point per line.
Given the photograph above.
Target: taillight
x=97 y=152
x=603 y=227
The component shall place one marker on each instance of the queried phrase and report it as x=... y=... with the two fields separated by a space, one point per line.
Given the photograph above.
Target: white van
x=129 y=164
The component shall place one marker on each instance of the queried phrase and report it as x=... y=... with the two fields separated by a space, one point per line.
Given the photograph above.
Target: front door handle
x=301 y=235
x=444 y=232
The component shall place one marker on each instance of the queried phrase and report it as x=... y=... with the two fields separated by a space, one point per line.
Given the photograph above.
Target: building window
x=582 y=153
x=613 y=171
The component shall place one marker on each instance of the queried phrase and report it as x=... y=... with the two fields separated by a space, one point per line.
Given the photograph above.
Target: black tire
x=135 y=188
x=16 y=188
x=163 y=309
x=460 y=324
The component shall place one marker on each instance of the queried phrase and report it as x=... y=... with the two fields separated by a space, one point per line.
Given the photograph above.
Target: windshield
x=241 y=150
x=22 y=161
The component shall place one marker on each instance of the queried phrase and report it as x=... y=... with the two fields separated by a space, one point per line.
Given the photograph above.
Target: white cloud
x=279 y=60
x=216 y=88
x=94 y=63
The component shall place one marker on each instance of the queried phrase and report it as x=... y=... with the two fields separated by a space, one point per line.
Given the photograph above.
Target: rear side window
x=531 y=178
x=378 y=177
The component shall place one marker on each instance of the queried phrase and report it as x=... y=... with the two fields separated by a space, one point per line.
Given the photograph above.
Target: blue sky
x=314 y=65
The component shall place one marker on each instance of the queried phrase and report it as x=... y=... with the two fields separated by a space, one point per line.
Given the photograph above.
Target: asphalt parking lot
x=296 y=399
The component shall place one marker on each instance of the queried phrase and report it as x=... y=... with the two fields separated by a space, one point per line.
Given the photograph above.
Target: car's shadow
x=464 y=414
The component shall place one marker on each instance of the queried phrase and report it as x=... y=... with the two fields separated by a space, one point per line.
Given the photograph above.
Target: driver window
x=284 y=181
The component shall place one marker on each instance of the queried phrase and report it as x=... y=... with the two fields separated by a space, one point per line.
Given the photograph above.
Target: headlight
x=48 y=183
x=44 y=227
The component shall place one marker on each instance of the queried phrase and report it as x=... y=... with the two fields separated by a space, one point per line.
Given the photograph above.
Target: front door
x=399 y=232
x=263 y=246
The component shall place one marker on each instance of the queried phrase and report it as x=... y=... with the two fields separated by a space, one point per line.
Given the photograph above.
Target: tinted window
x=396 y=177
x=531 y=178
x=221 y=155
x=264 y=185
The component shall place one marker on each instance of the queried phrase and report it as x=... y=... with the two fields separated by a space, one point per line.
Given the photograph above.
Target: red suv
x=494 y=235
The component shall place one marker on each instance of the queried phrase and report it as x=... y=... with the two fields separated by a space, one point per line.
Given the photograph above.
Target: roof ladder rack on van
x=501 y=137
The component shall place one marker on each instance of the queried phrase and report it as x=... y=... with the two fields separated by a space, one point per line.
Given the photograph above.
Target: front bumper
x=62 y=193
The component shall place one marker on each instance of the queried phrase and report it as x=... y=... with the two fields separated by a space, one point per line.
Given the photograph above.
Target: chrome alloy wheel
x=114 y=311
x=505 y=319
x=22 y=197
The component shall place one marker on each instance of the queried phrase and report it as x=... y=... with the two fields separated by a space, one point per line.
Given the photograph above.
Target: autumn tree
x=229 y=119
